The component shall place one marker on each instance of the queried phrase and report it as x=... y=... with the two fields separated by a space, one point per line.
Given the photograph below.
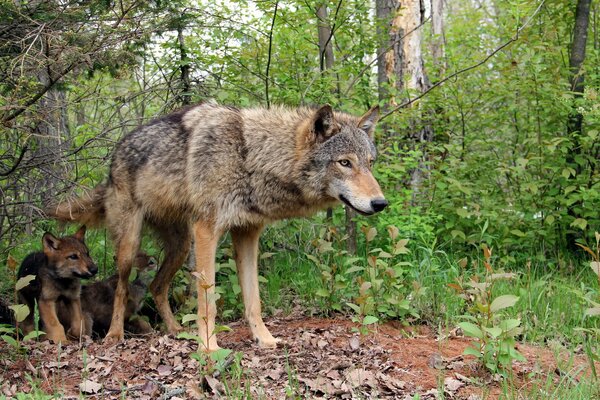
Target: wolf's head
x=341 y=153
x=69 y=255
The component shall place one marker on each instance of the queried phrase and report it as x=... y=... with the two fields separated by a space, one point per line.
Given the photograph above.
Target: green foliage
x=373 y=286
x=495 y=335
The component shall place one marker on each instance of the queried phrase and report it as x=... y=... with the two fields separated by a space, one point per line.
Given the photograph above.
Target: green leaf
x=354 y=307
x=313 y=259
x=509 y=324
x=471 y=329
x=494 y=331
x=220 y=355
x=10 y=340
x=470 y=351
x=517 y=232
x=221 y=328
x=189 y=336
x=24 y=282
x=189 y=317
x=33 y=335
x=502 y=302
x=354 y=268
x=369 y=319
x=21 y=311
x=461 y=212
x=579 y=223
x=322 y=292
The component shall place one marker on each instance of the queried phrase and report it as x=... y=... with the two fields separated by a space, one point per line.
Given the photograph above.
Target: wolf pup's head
x=69 y=255
x=342 y=156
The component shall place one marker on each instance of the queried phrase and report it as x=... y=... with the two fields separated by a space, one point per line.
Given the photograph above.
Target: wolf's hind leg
x=205 y=246
x=177 y=241
x=245 y=243
x=128 y=244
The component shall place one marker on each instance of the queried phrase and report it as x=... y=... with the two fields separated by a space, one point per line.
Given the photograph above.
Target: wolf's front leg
x=205 y=242
x=54 y=330
x=245 y=242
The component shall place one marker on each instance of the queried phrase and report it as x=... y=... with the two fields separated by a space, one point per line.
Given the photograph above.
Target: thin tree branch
x=16 y=165
x=269 y=55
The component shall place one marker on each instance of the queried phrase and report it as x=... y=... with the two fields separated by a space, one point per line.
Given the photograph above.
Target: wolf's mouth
x=346 y=202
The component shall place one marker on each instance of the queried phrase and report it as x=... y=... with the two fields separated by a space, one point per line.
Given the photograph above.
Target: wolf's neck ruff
x=210 y=168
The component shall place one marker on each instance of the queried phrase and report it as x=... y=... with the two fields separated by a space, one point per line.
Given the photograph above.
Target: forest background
x=489 y=142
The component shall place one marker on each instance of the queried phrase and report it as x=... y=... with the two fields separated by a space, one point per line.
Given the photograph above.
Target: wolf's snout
x=379 y=204
x=93 y=269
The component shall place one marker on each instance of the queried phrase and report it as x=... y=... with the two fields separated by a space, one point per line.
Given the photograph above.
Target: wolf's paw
x=268 y=343
x=58 y=339
x=114 y=337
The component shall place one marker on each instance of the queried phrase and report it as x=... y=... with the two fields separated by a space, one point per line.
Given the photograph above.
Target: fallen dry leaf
x=90 y=387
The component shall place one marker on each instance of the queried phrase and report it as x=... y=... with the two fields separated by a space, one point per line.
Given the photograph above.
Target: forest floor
x=319 y=358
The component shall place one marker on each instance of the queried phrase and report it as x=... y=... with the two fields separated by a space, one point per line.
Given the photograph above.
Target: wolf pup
x=208 y=169
x=58 y=271
x=97 y=300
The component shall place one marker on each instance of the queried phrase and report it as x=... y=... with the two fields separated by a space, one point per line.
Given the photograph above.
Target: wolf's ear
x=80 y=234
x=367 y=122
x=50 y=242
x=323 y=124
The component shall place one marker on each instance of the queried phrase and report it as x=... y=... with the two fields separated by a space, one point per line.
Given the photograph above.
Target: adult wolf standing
x=208 y=169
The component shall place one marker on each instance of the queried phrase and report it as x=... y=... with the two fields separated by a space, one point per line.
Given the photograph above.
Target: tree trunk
x=438 y=42
x=390 y=51
x=576 y=80
x=412 y=68
x=325 y=39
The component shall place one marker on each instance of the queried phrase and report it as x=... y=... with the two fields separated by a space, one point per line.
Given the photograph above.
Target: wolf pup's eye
x=345 y=163
x=73 y=257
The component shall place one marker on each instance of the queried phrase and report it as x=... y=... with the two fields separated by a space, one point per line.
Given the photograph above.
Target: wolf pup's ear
x=50 y=242
x=80 y=234
x=367 y=122
x=323 y=124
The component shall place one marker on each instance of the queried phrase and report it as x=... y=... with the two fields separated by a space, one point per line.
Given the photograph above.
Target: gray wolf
x=58 y=271
x=97 y=301
x=208 y=169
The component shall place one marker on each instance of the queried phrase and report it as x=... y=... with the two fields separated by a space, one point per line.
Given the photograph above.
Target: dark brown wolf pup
x=97 y=300
x=58 y=270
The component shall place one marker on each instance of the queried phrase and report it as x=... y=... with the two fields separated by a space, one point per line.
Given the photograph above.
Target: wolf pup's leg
x=77 y=322
x=245 y=243
x=177 y=241
x=205 y=242
x=54 y=330
x=128 y=246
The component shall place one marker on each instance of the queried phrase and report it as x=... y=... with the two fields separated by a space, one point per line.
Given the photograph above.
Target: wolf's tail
x=88 y=209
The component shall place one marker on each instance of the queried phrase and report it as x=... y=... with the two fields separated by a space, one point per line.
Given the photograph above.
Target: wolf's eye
x=73 y=257
x=345 y=163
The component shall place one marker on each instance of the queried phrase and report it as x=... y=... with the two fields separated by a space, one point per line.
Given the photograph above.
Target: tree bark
x=577 y=86
x=438 y=42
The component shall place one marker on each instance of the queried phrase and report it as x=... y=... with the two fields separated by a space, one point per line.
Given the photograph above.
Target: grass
x=551 y=300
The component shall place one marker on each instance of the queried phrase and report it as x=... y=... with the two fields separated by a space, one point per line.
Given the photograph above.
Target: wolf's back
x=88 y=209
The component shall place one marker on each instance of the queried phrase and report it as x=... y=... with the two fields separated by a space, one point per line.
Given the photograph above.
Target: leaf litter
x=320 y=358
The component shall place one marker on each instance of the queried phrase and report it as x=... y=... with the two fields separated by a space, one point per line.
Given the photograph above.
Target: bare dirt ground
x=320 y=358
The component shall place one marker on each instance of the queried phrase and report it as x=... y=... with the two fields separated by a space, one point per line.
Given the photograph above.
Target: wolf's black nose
x=379 y=204
x=93 y=269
